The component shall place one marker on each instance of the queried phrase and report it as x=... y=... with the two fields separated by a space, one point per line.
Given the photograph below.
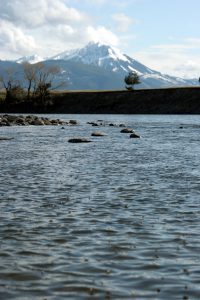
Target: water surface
x=117 y=218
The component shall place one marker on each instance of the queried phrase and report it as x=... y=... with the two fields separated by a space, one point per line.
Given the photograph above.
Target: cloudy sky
x=162 y=34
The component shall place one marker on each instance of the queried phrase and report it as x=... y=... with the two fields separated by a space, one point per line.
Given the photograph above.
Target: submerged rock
x=127 y=130
x=134 y=135
x=98 y=133
x=4 y=138
x=79 y=140
x=73 y=122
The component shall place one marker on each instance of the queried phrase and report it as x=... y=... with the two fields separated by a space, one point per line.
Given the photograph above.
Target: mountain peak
x=111 y=51
x=32 y=59
x=95 y=53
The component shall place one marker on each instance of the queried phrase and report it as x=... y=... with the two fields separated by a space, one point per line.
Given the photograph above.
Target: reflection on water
x=118 y=218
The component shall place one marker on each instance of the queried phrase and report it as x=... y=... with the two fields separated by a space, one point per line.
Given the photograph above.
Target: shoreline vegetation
x=179 y=100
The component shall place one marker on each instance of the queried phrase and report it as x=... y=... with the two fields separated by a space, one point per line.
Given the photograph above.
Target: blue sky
x=162 y=34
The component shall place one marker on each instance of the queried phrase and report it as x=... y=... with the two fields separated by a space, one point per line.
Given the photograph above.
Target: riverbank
x=149 y=101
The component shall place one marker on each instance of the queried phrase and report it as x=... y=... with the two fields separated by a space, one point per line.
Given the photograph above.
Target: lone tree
x=131 y=79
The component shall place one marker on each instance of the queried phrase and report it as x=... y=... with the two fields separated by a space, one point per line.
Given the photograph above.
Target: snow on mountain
x=32 y=59
x=97 y=54
x=113 y=60
x=100 y=66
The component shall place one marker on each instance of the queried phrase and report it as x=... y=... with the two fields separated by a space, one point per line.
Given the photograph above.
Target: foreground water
x=118 y=218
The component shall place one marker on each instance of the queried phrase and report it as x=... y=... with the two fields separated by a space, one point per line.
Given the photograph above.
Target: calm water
x=118 y=218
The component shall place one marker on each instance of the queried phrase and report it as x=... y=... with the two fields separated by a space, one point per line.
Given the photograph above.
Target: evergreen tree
x=131 y=79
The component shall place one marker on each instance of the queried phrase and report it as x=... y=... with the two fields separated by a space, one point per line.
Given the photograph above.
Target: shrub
x=131 y=79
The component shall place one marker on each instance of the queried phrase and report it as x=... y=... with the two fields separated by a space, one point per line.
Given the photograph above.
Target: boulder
x=79 y=140
x=20 y=121
x=37 y=122
x=4 y=122
x=29 y=119
x=47 y=122
x=11 y=118
x=98 y=133
x=54 y=122
x=4 y=138
x=134 y=135
x=127 y=130
x=73 y=122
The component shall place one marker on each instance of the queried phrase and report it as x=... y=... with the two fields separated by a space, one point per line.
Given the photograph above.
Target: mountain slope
x=113 y=61
x=32 y=59
x=98 y=66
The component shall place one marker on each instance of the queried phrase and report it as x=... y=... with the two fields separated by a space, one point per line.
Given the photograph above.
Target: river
x=117 y=218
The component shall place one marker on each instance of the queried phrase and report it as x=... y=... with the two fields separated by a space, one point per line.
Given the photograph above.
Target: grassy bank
x=153 y=101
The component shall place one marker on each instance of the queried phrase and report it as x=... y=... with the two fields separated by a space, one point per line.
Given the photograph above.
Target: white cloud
x=95 y=2
x=122 y=21
x=45 y=27
x=101 y=34
x=181 y=59
x=31 y=14
x=172 y=47
x=13 y=41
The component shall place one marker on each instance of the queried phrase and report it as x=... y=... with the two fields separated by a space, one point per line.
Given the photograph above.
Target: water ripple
x=115 y=219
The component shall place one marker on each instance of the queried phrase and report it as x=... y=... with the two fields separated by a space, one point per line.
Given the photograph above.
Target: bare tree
x=11 y=84
x=40 y=79
x=30 y=75
x=45 y=81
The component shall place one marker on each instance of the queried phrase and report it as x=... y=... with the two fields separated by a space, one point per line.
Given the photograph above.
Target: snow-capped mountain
x=32 y=59
x=113 y=60
x=99 y=67
x=105 y=57
x=96 y=53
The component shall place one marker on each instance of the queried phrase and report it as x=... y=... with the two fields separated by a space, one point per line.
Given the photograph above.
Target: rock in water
x=73 y=122
x=79 y=140
x=127 y=130
x=37 y=122
x=4 y=138
x=134 y=135
x=98 y=133
x=10 y=120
